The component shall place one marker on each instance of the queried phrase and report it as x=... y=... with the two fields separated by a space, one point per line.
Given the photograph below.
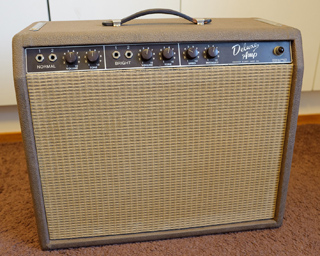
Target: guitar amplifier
x=157 y=128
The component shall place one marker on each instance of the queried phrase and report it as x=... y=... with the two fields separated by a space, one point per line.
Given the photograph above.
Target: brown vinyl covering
x=166 y=30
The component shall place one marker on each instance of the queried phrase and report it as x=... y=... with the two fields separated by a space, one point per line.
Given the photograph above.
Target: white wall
x=17 y=14
x=317 y=74
x=9 y=119
x=310 y=103
x=103 y=9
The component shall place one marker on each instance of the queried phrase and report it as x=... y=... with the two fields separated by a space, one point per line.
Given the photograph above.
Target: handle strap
x=118 y=23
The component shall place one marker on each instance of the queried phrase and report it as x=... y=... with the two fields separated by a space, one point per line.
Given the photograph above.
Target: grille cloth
x=130 y=151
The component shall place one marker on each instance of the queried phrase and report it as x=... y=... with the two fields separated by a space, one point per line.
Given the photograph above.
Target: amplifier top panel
x=156 y=30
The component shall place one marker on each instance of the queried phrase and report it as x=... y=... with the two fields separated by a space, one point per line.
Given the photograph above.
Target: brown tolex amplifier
x=157 y=128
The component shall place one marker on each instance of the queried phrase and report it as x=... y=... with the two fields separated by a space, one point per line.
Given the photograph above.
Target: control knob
x=212 y=52
x=93 y=56
x=71 y=57
x=167 y=54
x=146 y=54
x=192 y=53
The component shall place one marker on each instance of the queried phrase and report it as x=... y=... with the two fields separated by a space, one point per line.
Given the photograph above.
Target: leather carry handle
x=118 y=23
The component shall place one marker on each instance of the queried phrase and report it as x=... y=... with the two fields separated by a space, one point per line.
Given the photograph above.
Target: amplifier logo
x=248 y=51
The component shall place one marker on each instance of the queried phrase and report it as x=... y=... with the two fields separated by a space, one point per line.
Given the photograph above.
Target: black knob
x=71 y=57
x=279 y=50
x=93 y=56
x=146 y=54
x=192 y=53
x=167 y=54
x=212 y=52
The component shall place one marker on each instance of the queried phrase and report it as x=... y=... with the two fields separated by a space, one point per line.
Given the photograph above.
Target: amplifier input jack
x=128 y=54
x=52 y=57
x=116 y=55
x=39 y=58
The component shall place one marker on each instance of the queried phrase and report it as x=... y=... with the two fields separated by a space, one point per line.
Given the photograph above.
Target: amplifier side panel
x=293 y=112
x=137 y=151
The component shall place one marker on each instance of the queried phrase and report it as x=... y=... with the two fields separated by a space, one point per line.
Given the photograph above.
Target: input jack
x=39 y=58
x=116 y=55
x=52 y=57
x=128 y=54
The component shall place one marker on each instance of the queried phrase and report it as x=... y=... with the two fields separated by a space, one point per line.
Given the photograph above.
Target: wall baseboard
x=10 y=137
x=16 y=136
x=309 y=119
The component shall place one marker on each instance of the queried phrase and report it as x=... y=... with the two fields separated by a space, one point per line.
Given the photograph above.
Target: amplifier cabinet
x=157 y=129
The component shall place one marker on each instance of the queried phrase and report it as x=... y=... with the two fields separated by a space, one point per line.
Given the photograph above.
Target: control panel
x=65 y=58
x=105 y=57
x=155 y=55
